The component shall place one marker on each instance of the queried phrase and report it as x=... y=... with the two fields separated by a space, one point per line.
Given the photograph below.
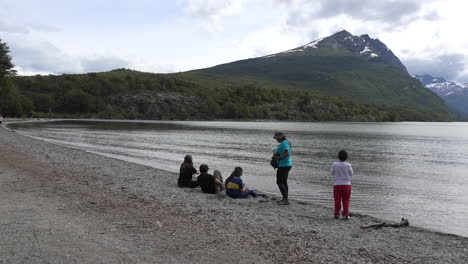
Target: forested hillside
x=204 y=95
x=355 y=67
x=131 y=94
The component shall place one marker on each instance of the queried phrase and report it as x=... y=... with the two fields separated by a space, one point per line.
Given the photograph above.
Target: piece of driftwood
x=403 y=222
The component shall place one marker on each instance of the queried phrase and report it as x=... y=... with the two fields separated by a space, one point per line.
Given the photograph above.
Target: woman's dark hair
x=188 y=159
x=236 y=173
x=343 y=155
x=188 y=162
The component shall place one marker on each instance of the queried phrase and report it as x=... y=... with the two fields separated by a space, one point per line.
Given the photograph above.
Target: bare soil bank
x=60 y=205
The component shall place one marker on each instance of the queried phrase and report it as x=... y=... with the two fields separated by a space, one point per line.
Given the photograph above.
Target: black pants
x=282 y=180
x=189 y=184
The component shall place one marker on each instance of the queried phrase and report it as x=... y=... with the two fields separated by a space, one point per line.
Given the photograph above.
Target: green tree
x=42 y=103
x=75 y=101
x=12 y=102
x=6 y=66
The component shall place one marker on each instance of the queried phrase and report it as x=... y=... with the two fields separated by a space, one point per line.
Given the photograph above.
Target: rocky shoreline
x=61 y=205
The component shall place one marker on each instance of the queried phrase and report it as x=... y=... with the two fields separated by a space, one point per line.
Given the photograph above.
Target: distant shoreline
x=21 y=120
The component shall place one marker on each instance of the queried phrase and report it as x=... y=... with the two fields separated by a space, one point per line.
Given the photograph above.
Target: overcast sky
x=57 y=36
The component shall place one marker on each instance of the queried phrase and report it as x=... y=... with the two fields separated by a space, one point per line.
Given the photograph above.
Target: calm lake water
x=417 y=171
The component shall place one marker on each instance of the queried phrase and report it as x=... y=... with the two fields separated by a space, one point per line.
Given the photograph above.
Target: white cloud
x=43 y=57
x=392 y=12
x=453 y=66
x=211 y=12
x=56 y=36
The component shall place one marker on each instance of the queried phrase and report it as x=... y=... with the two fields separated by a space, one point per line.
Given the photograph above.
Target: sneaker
x=283 y=202
x=337 y=216
x=345 y=217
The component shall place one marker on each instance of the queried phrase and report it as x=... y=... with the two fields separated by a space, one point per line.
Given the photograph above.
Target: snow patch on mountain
x=364 y=45
x=313 y=44
x=440 y=86
x=365 y=50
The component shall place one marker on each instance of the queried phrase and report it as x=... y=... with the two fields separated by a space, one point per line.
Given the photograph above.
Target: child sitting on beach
x=235 y=188
x=342 y=173
x=186 y=172
x=217 y=175
x=207 y=182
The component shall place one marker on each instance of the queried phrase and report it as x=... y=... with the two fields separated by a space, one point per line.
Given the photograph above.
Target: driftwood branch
x=403 y=222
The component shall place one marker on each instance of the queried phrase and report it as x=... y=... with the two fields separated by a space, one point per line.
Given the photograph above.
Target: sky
x=57 y=36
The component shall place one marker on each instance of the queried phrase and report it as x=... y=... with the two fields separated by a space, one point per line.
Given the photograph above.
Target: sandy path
x=59 y=205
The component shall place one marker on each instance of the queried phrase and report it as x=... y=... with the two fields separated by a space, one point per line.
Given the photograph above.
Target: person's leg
x=247 y=193
x=337 y=197
x=282 y=180
x=231 y=194
x=279 y=182
x=346 y=196
x=285 y=183
x=193 y=184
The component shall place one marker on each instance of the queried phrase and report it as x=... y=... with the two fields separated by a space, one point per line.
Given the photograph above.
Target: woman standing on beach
x=186 y=171
x=283 y=154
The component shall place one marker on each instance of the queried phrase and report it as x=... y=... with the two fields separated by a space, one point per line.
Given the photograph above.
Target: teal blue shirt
x=282 y=147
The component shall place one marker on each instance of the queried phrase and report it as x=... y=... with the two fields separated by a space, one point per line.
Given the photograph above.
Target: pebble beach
x=63 y=205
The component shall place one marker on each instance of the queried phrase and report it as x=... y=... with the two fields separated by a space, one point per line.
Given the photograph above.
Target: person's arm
x=284 y=148
x=241 y=185
x=243 y=188
x=285 y=155
x=194 y=171
x=332 y=171
x=351 y=173
x=217 y=181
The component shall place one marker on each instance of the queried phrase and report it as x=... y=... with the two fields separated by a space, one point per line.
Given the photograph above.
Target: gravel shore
x=61 y=205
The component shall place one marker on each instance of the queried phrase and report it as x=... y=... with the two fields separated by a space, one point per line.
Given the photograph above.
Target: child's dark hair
x=204 y=168
x=343 y=155
x=236 y=173
x=188 y=159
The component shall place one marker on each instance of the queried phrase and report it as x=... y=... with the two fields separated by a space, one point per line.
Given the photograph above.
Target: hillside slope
x=194 y=96
x=339 y=78
x=355 y=67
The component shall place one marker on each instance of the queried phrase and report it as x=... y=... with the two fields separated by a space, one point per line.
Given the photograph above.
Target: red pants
x=342 y=193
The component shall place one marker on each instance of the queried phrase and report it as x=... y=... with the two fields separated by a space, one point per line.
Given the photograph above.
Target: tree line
x=129 y=94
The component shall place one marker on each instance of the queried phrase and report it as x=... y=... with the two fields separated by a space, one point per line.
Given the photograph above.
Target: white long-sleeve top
x=342 y=172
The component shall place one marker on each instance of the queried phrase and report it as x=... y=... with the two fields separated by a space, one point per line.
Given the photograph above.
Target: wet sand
x=61 y=205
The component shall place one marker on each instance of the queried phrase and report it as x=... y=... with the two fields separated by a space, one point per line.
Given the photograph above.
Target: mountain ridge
x=454 y=94
x=337 y=78
x=339 y=65
x=362 y=45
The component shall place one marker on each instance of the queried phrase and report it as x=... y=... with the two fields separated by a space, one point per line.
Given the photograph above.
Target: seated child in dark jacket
x=207 y=182
x=186 y=172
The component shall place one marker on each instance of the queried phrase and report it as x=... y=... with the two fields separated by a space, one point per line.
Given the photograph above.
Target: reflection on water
x=413 y=170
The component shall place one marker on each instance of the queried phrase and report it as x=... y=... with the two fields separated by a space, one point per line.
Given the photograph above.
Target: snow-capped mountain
x=455 y=95
x=440 y=86
x=373 y=49
x=357 y=68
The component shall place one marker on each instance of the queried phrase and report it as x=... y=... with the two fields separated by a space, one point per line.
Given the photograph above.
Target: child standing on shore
x=342 y=173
